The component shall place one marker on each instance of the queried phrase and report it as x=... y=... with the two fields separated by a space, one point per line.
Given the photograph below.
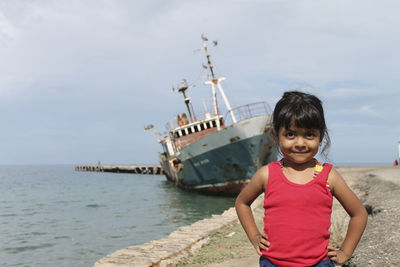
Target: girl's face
x=299 y=145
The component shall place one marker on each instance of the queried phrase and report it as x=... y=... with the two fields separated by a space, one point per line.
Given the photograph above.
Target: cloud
x=366 y=111
x=7 y=30
x=351 y=93
x=79 y=66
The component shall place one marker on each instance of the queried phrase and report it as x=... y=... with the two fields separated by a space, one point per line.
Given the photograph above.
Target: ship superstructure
x=217 y=154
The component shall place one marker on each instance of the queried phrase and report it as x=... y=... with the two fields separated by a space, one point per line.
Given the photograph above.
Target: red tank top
x=297 y=218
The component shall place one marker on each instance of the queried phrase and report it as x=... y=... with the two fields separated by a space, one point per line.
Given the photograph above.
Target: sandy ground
x=379 y=190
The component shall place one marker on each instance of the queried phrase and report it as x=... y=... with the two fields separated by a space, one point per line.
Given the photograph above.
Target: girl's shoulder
x=333 y=173
x=274 y=164
x=261 y=176
x=335 y=180
x=265 y=170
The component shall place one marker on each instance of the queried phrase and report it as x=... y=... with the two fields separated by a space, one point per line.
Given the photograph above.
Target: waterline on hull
x=222 y=184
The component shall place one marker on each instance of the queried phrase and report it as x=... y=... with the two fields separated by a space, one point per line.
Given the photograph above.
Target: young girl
x=298 y=193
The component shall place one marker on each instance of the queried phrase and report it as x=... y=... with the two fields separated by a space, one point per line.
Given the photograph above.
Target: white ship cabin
x=187 y=133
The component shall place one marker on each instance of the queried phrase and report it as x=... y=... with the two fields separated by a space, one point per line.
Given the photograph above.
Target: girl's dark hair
x=305 y=110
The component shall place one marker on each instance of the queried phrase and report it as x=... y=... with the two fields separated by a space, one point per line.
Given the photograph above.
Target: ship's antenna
x=151 y=127
x=216 y=81
x=182 y=89
x=209 y=65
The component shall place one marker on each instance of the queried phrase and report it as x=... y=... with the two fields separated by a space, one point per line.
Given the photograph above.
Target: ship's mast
x=182 y=89
x=217 y=82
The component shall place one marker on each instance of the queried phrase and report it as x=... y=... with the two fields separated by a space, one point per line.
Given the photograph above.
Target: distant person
x=395 y=163
x=299 y=193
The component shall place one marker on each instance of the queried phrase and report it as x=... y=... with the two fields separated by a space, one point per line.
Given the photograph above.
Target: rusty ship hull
x=223 y=162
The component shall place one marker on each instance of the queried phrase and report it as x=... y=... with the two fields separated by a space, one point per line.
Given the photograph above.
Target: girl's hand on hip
x=337 y=256
x=260 y=242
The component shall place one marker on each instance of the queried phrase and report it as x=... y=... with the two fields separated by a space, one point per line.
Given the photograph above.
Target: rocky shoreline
x=377 y=187
x=380 y=244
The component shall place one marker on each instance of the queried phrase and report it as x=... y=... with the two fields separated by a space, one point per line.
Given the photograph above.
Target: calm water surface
x=54 y=216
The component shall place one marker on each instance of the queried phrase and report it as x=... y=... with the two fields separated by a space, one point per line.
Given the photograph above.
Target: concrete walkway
x=378 y=187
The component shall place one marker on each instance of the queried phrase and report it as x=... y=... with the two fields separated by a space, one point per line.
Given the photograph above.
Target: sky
x=79 y=80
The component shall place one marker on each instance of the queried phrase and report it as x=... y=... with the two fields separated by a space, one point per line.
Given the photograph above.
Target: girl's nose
x=300 y=144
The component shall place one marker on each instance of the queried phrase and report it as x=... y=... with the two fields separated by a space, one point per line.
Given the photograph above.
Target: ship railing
x=248 y=111
x=241 y=113
x=201 y=116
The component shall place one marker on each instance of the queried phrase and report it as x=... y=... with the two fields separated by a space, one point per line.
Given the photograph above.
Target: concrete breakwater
x=378 y=188
x=180 y=243
x=135 y=169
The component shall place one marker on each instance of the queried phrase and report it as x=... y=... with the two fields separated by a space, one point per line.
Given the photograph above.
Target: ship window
x=202 y=127
x=214 y=123
x=176 y=134
x=189 y=130
x=183 y=132
x=197 y=128
x=208 y=124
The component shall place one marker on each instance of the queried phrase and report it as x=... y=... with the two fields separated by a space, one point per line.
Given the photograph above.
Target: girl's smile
x=299 y=145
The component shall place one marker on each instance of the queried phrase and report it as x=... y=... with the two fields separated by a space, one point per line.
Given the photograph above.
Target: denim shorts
x=325 y=263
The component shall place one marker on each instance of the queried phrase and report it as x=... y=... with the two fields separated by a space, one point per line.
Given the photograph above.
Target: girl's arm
x=358 y=218
x=246 y=197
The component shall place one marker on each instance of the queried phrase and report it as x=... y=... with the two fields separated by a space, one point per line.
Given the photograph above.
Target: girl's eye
x=310 y=135
x=289 y=135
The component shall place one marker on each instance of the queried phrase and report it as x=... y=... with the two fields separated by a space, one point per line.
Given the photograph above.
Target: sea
x=56 y=216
